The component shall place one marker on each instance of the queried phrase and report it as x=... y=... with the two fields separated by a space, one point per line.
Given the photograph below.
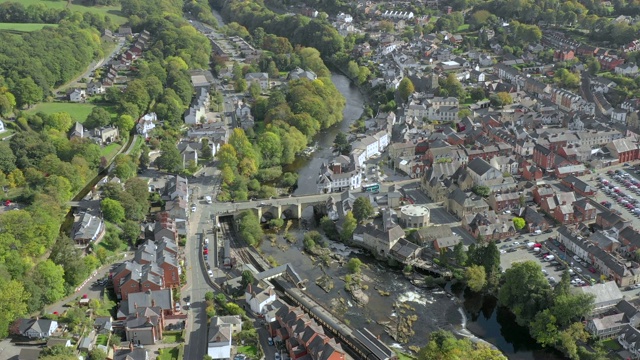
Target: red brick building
x=563 y=55
x=624 y=149
x=543 y=157
x=578 y=186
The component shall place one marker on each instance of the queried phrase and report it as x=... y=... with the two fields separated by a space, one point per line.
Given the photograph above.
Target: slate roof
x=479 y=166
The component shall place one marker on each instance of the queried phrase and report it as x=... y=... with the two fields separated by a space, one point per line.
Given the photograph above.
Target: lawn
x=168 y=354
x=26 y=27
x=102 y=339
x=612 y=344
x=169 y=337
x=112 y=11
x=78 y=112
x=250 y=351
x=463 y=27
x=110 y=150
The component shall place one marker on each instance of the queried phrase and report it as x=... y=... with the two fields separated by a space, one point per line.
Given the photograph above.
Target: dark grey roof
x=479 y=166
x=371 y=342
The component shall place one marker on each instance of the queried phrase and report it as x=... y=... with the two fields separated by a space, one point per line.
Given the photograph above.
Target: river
x=308 y=168
x=434 y=308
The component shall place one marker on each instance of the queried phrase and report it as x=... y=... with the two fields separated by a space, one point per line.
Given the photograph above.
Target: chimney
x=136 y=314
x=113 y=346
x=153 y=302
x=148 y=319
x=249 y=289
x=135 y=305
x=130 y=346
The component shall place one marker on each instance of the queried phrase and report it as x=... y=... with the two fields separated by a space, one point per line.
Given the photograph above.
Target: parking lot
x=602 y=196
x=516 y=251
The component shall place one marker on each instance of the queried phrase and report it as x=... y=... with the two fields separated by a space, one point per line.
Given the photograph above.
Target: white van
x=530 y=245
x=208 y=199
x=549 y=258
x=537 y=232
x=206 y=241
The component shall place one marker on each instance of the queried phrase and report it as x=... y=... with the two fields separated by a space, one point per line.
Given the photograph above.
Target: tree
x=329 y=228
x=362 y=208
x=272 y=70
x=348 y=227
x=98 y=117
x=443 y=345
x=125 y=123
x=354 y=265
x=476 y=277
x=97 y=354
x=13 y=302
x=241 y=85
x=405 y=89
x=7 y=158
x=169 y=158
x=207 y=152
x=459 y=253
x=500 y=99
x=27 y=92
x=112 y=210
x=341 y=143
x=593 y=65
x=276 y=224
x=60 y=121
x=131 y=230
x=483 y=191
x=543 y=328
x=255 y=90
x=270 y=147
x=477 y=94
x=249 y=228
x=525 y=291
x=519 y=223
x=247 y=278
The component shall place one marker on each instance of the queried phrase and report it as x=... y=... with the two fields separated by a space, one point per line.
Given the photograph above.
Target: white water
x=464 y=318
x=412 y=296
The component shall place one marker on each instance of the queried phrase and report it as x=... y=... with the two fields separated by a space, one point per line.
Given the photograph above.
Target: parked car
x=592 y=270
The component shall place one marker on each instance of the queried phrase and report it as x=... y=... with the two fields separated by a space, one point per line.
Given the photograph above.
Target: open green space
x=102 y=339
x=612 y=344
x=403 y=356
x=111 y=11
x=168 y=354
x=250 y=351
x=172 y=337
x=27 y=27
x=463 y=27
x=110 y=150
x=78 y=112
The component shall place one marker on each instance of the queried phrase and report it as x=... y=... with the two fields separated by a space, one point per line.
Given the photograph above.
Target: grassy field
x=78 y=112
x=463 y=27
x=110 y=150
x=102 y=339
x=112 y=11
x=612 y=344
x=172 y=337
x=250 y=351
x=23 y=27
x=168 y=354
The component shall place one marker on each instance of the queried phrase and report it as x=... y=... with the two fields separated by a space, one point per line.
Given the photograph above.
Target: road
x=197 y=279
x=222 y=208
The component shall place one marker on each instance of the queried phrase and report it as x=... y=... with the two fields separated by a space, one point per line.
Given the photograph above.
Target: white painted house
x=258 y=298
x=77 y=95
x=146 y=123
x=261 y=78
